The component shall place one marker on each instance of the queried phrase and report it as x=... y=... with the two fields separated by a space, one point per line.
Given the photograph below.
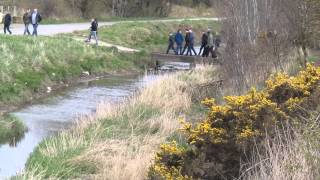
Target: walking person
x=93 y=31
x=26 y=20
x=204 y=42
x=171 y=43
x=35 y=20
x=210 y=46
x=187 y=42
x=179 y=40
x=191 y=43
x=7 y=22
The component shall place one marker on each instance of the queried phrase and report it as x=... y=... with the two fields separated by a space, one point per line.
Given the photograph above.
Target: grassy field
x=28 y=65
x=118 y=142
x=11 y=130
x=150 y=35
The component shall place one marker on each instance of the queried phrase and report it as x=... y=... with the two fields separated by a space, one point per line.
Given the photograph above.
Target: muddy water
x=58 y=112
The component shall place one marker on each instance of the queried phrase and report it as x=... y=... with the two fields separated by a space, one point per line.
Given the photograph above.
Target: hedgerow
x=220 y=142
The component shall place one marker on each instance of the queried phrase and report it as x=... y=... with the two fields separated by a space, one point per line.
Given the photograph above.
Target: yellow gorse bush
x=230 y=129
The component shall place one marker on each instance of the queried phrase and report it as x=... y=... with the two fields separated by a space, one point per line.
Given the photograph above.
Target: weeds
x=11 y=130
x=118 y=142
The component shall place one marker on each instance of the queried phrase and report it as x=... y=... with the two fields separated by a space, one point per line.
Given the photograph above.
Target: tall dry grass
x=293 y=154
x=120 y=141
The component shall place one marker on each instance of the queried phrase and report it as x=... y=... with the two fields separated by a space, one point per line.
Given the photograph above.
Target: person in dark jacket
x=204 y=42
x=7 y=22
x=93 y=30
x=179 y=40
x=171 y=43
x=191 y=43
x=35 y=20
x=187 y=41
x=26 y=20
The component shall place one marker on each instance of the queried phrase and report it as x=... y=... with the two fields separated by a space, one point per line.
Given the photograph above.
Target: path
x=105 y=44
x=54 y=29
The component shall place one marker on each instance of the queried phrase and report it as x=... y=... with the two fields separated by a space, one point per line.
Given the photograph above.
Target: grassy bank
x=29 y=65
x=150 y=35
x=291 y=154
x=118 y=142
x=11 y=130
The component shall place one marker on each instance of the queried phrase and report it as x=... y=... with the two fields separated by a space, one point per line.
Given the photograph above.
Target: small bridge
x=159 y=58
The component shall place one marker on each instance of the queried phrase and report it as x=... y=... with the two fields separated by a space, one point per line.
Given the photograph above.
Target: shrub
x=11 y=130
x=228 y=134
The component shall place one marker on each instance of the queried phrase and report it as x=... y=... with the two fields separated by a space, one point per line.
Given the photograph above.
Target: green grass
x=150 y=35
x=61 y=164
x=100 y=19
x=28 y=65
x=11 y=130
x=313 y=59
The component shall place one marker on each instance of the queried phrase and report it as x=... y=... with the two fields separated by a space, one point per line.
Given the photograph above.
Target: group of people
x=209 y=43
x=33 y=18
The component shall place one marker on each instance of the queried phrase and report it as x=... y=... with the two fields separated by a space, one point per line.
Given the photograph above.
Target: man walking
x=93 y=31
x=35 y=20
x=187 y=42
x=210 y=46
x=7 y=22
x=179 y=40
x=26 y=20
x=191 y=43
x=171 y=43
x=204 y=42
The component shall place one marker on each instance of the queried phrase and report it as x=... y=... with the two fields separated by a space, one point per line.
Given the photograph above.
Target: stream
x=59 y=111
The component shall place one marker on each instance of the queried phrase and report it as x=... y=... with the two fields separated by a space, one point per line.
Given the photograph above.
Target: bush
x=219 y=143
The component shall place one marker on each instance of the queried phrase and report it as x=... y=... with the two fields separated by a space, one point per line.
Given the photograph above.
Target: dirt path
x=105 y=44
x=54 y=29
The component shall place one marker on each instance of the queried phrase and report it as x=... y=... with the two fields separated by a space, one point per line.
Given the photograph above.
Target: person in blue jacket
x=179 y=40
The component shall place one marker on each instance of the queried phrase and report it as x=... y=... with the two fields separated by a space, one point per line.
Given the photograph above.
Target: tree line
x=118 y=8
x=264 y=36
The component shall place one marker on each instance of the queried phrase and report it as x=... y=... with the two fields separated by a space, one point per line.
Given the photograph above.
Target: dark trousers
x=171 y=47
x=179 y=49
x=209 y=50
x=185 y=48
x=7 y=28
x=35 y=29
x=191 y=49
x=26 y=29
x=203 y=46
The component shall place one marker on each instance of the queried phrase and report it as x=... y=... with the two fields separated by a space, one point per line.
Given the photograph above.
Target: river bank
x=33 y=68
x=130 y=131
x=36 y=68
